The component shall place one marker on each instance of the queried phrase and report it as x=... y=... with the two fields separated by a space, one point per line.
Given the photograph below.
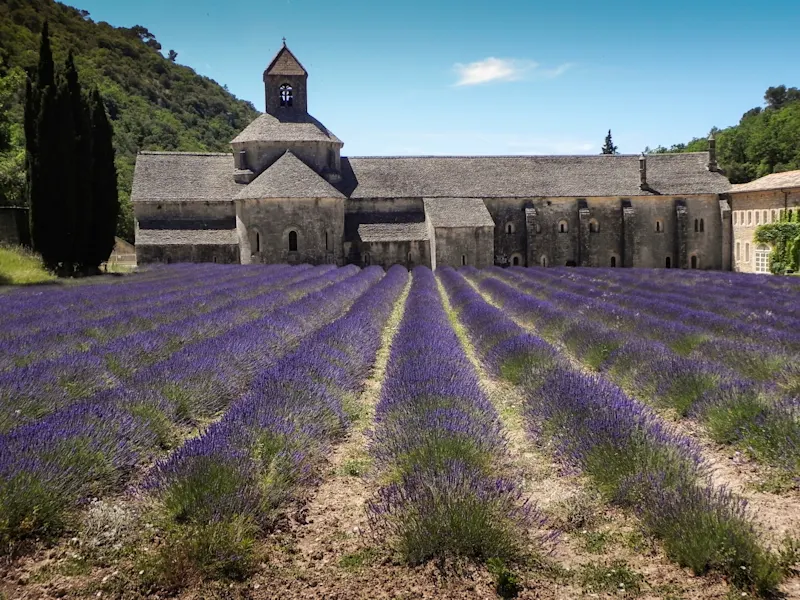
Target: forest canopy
x=153 y=102
x=766 y=139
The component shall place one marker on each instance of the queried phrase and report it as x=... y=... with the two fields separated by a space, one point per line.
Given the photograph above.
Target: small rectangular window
x=734 y=217
x=738 y=251
x=749 y=217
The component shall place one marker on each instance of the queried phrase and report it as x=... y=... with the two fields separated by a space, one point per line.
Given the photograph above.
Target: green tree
x=784 y=239
x=608 y=146
x=105 y=198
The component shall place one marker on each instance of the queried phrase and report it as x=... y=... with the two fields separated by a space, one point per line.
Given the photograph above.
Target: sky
x=491 y=77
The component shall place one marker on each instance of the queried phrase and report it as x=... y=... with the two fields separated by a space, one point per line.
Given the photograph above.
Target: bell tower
x=285 y=84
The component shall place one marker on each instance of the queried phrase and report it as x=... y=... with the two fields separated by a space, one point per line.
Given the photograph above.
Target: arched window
x=738 y=251
x=286 y=95
x=659 y=226
x=516 y=259
x=758 y=217
x=735 y=213
x=747 y=252
x=463 y=260
x=774 y=216
x=215 y=258
x=327 y=247
x=749 y=217
x=694 y=261
x=594 y=226
x=668 y=263
x=366 y=258
x=410 y=258
x=764 y=220
x=696 y=225
x=702 y=225
x=563 y=227
x=538 y=228
x=543 y=261
x=292 y=241
x=762 y=258
x=613 y=261
x=509 y=228
x=258 y=242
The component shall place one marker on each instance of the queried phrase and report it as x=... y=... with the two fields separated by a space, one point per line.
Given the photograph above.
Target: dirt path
x=597 y=541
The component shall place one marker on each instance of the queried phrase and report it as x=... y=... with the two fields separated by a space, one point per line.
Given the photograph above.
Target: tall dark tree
x=608 y=146
x=42 y=160
x=105 y=200
x=70 y=165
x=80 y=210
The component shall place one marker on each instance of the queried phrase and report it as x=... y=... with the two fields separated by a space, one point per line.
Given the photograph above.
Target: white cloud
x=503 y=69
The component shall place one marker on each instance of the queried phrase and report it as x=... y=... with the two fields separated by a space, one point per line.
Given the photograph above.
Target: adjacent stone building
x=285 y=194
x=765 y=200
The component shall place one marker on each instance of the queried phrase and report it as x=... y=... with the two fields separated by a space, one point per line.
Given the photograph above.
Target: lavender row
x=32 y=307
x=86 y=331
x=38 y=389
x=235 y=476
x=438 y=439
x=93 y=446
x=630 y=455
x=745 y=395
x=717 y=341
x=698 y=300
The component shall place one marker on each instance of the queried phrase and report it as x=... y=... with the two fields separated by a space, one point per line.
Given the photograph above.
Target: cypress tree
x=608 y=146
x=64 y=202
x=41 y=127
x=105 y=199
x=81 y=195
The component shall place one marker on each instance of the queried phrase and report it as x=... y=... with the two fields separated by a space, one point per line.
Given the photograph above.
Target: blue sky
x=492 y=77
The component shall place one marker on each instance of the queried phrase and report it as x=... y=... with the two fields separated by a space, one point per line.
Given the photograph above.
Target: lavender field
x=299 y=431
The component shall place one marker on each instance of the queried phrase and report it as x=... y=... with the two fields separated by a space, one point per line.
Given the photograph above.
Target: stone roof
x=303 y=128
x=393 y=232
x=288 y=177
x=775 y=181
x=528 y=176
x=184 y=237
x=285 y=63
x=457 y=212
x=183 y=176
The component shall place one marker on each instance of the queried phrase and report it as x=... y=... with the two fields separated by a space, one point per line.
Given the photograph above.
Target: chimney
x=242 y=160
x=643 y=172
x=712 y=153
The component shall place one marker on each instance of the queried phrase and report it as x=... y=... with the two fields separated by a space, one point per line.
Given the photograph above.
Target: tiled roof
x=775 y=181
x=392 y=232
x=269 y=128
x=528 y=176
x=285 y=63
x=289 y=177
x=183 y=176
x=186 y=237
x=457 y=212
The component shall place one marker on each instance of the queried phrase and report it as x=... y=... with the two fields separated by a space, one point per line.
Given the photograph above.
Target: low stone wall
x=14 y=228
x=175 y=253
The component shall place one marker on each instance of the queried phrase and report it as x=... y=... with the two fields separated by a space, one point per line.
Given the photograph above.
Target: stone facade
x=757 y=203
x=286 y=194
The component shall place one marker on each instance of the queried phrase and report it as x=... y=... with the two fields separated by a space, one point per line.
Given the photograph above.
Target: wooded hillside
x=766 y=140
x=153 y=102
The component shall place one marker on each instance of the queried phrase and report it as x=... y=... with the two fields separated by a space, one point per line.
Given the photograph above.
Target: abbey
x=287 y=195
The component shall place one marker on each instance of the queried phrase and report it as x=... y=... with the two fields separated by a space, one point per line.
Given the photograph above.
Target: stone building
x=765 y=200
x=286 y=194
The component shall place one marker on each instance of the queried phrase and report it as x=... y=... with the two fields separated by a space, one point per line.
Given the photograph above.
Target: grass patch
x=359 y=559
x=617 y=578
x=19 y=266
